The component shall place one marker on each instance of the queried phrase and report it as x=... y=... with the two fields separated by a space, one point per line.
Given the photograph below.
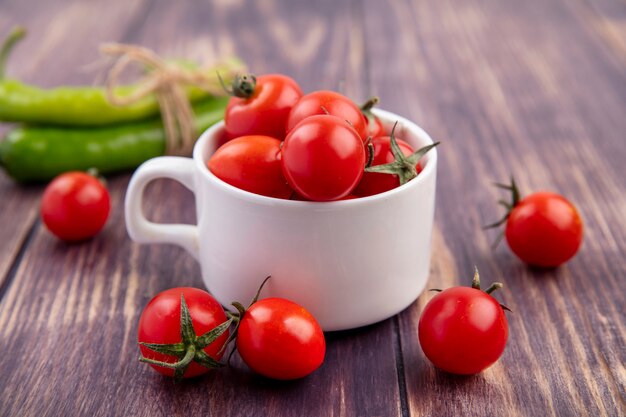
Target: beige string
x=166 y=81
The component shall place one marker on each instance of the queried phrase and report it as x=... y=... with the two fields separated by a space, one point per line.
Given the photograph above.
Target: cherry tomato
x=463 y=330
x=261 y=105
x=376 y=128
x=323 y=158
x=251 y=163
x=328 y=102
x=160 y=323
x=543 y=229
x=75 y=206
x=374 y=182
x=279 y=339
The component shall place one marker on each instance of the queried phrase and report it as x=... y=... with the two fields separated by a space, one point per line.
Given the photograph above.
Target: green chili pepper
x=76 y=106
x=36 y=153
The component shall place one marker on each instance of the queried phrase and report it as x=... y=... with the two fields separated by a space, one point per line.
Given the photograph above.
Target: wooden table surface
x=534 y=88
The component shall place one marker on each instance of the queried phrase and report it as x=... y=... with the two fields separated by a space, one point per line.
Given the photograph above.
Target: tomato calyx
x=509 y=206
x=191 y=347
x=476 y=285
x=403 y=166
x=243 y=86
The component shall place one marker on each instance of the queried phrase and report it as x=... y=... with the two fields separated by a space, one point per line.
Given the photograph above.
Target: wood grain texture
x=543 y=102
x=48 y=40
x=536 y=89
x=18 y=211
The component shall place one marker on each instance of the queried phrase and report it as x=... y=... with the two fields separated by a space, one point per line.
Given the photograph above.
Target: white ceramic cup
x=350 y=263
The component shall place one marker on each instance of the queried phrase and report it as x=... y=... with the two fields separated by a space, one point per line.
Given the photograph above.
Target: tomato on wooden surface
x=251 y=163
x=463 y=330
x=323 y=158
x=260 y=105
x=543 y=229
x=75 y=206
x=182 y=332
x=279 y=339
x=332 y=103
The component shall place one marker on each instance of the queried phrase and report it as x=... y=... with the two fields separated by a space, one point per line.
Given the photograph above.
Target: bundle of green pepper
x=76 y=128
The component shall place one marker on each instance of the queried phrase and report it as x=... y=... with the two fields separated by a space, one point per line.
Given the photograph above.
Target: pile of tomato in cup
x=318 y=147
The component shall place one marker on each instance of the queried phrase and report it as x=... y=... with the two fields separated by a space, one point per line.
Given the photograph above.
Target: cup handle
x=141 y=229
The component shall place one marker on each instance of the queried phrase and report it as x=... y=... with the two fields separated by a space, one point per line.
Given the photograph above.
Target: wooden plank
x=48 y=41
x=82 y=302
x=604 y=20
x=18 y=211
x=545 y=102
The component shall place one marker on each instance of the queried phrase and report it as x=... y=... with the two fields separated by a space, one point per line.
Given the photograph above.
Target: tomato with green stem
x=182 y=332
x=543 y=229
x=260 y=105
x=392 y=162
x=278 y=338
x=464 y=330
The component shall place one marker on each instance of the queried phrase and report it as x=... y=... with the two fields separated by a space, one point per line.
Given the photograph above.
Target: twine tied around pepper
x=167 y=82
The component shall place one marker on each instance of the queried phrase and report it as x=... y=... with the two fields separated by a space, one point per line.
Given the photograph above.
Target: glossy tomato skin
x=323 y=158
x=463 y=330
x=544 y=229
x=160 y=323
x=279 y=339
x=375 y=183
x=266 y=111
x=251 y=163
x=376 y=128
x=322 y=101
x=75 y=206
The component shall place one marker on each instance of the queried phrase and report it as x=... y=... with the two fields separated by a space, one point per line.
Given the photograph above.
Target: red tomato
x=75 y=206
x=251 y=163
x=261 y=106
x=374 y=182
x=463 y=330
x=544 y=229
x=376 y=128
x=328 y=102
x=160 y=323
x=323 y=158
x=279 y=339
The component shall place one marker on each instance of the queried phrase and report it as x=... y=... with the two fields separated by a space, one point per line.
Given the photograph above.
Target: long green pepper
x=76 y=106
x=76 y=128
x=36 y=153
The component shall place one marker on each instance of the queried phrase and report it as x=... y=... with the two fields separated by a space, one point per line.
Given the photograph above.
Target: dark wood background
x=534 y=88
